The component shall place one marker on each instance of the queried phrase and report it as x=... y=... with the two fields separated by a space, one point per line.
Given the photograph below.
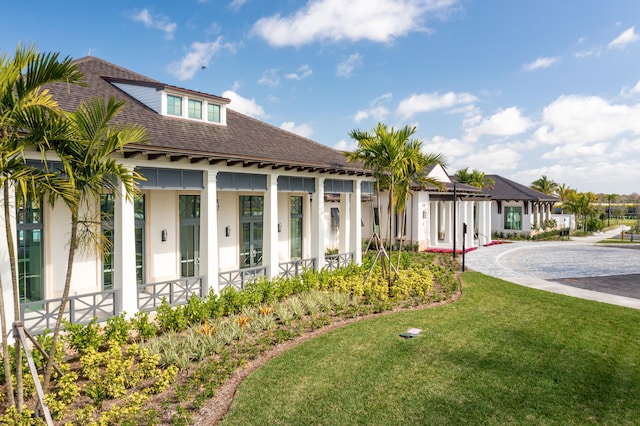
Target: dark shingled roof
x=508 y=190
x=243 y=140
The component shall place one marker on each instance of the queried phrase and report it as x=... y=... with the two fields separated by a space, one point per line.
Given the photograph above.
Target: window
x=107 y=213
x=213 y=113
x=296 y=227
x=174 y=105
x=30 y=250
x=513 y=218
x=195 y=109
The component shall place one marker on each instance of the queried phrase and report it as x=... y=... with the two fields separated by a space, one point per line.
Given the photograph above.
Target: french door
x=189 y=235
x=251 y=230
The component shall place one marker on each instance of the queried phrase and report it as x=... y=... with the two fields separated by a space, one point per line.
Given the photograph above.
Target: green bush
x=83 y=338
x=117 y=329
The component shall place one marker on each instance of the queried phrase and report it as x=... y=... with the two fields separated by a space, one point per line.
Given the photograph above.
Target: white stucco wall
x=162 y=264
x=86 y=275
x=228 y=215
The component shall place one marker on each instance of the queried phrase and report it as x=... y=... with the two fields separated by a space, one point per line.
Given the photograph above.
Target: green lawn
x=502 y=354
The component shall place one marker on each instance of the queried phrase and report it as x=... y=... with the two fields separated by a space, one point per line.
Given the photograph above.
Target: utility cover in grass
x=411 y=333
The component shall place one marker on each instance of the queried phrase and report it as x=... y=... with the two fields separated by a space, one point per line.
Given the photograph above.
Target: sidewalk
x=538 y=264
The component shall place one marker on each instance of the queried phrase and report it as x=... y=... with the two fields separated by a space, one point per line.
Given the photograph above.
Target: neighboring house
x=429 y=215
x=515 y=208
x=227 y=198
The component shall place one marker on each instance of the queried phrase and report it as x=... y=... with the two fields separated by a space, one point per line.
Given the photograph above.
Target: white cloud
x=344 y=145
x=586 y=53
x=627 y=37
x=426 y=102
x=576 y=154
x=377 y=110
x=494 y=158
x=337 y=20
x=198 y=56
x=580 y=120
x=540 y=63
x=634 y=91
x=303 y=72
x=270 y=78
x=346 y=67
x=159 y=22
x=304 y=129
x=244 y=105
x=237 y=4
x=508 y=122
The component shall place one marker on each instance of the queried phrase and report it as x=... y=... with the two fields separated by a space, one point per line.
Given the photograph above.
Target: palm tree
x=580 y=205
x=394 y=158
x=544 y=185
x=417 y=164
x=86 y=155
x=28 y=118
x=474 y=178
x=611 y=198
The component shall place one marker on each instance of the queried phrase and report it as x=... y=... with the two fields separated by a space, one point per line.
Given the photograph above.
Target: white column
x=356 y=223
x=470 y=225
x=448 y=222
x=462 y=218
x=209 y=263
x=270 y=242
x=306 y=226
x=124 y=253
x=344 y=227
x=433 y=224
x=317 y=224
x=5 y=262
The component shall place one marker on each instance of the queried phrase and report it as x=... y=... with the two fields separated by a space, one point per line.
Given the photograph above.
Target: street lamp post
x=455 y=199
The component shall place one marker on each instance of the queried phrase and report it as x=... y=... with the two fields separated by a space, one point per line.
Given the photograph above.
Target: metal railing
x=295 y=267
x=176 y=292
x=335 y=261
x=240 y=277
x=42 y=315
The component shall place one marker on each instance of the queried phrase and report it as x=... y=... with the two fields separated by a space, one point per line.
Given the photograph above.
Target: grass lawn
x=502 y=354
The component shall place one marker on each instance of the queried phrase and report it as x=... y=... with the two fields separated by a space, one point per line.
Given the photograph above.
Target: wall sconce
x=218 y=203
x=424 y=214
x=227 y=231
x=279 y=227
x=163 y=235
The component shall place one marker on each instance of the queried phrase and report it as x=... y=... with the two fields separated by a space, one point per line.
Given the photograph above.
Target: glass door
x=251 y=230
x=189 y=235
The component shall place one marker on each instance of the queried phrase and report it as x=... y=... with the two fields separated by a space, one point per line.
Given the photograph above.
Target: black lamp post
x=455 y=199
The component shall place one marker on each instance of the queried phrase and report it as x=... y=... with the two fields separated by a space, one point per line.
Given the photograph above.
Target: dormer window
x=213 y=113
x=195 y=109
x=174 y=105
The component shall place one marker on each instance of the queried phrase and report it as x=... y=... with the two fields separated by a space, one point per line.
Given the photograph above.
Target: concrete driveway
x=579 y=267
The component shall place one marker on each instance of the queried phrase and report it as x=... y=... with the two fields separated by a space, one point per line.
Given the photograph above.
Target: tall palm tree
x=86 y=154
x=580 y=205
x=27 y=119
x=544 y=185
x=414 y=172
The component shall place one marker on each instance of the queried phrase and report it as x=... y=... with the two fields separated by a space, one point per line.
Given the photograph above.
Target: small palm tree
x=86 y=155
x=474 y=178
x=28 y=118
x=544 y=185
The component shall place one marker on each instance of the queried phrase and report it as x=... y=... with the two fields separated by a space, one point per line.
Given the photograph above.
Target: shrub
x=143 y=325
x=117 y=329
x=83 y=338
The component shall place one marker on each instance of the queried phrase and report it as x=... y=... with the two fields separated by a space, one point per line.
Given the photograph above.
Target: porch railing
x=335 y=261
x=295 y=267
x=176 y=292
x=81 y=309
x=240 y=277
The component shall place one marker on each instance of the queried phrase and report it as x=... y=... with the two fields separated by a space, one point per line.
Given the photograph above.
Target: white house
x=515 y=207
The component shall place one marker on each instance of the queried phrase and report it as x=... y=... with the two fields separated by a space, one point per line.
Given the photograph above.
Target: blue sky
x=517 y=88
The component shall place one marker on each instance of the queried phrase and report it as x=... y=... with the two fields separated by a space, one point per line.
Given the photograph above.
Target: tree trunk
x=16 y=294
x=63 y=302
